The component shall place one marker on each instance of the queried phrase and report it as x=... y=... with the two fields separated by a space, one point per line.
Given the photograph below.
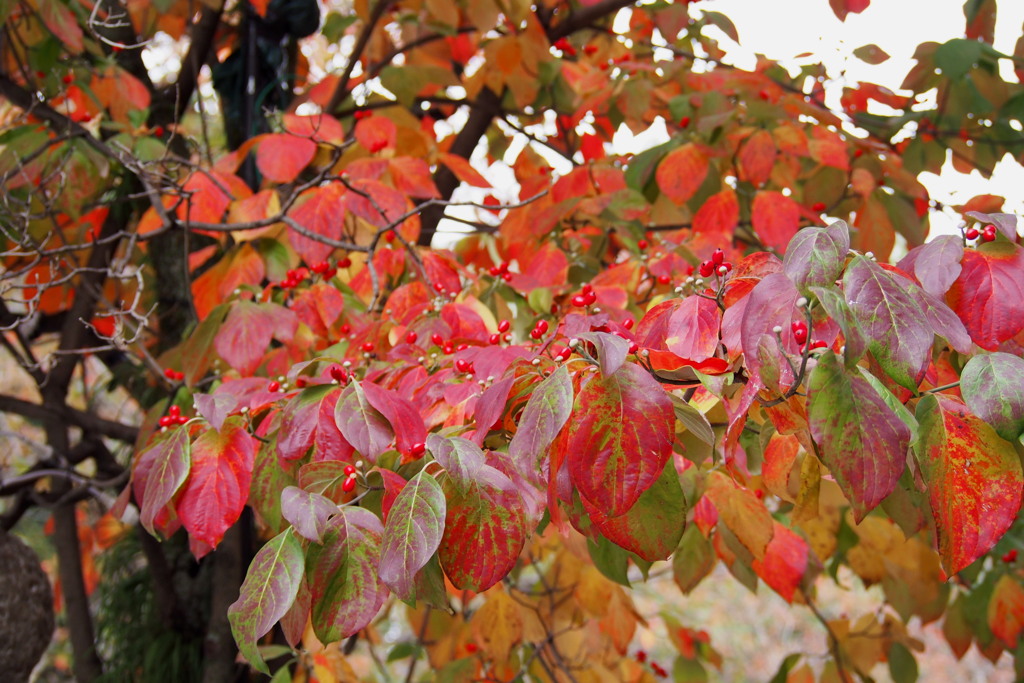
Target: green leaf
x=957 y=57
x=270 y=587
x=863 y=443
x=871 y=53
x=412 y=533
x=993 y=388
x=346 y=592
x=361 y=424
x=693 y=560
x=973 y=476
x=902 y=665
x=693 y=420
x=546 y=412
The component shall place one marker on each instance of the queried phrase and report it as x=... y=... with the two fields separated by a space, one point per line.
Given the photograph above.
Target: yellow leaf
x=498 y=625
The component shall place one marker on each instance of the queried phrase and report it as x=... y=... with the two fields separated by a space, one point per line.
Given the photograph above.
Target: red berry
x=463 y=365
x=628 y=323
x=274 y=387
x=338 y=373
x=707 y=268
x=411 y=338
x=462 y=347
x=471 y=648
x=448 y=347
x=346 y=328
x=819 y=344
x=989 y=233
x=1011 y=556
x=633 y=347
x=506 y=276
x=349 y=484
x=818 y=206
x=301 y=382
x=181 y=419
x=67 y=78
x=494 y=339
x=40 y=75
x=800 y=335
x=179 y=376
x=437 y=339
x=587 y=288
x=590 y=49
x=799 y=325
x=504 y=326
x=641 y=245
x=718 y=258
x=349 y=469
x=362 y=114
x=169 y=373
x=345 y=262
x=664 y=279
x=972 y=233
x=174 y=411
x=438 y=287
x=579 y=301
x=541 y=325
x=684 y=122
x=367 y=347
x=158 y=131
x=417 y=449
x=590 y=297
x=389 y=236
x=641 y=656
x=536 y=334
x=166 y=421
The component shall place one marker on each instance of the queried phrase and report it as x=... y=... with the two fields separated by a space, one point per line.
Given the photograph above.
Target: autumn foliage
x=738 y=347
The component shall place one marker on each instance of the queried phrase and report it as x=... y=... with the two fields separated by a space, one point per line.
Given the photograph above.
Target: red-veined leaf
x=693 y=328
x=269 y=589
x=218 y=485
x=361 y=424
x=620 y=437
x=989 y=294
x=815 y=256
x=412 y=533
x=973 y=477
x=166 y=467
x=653 y=526
x=757 y=157
x=682 y=172
x=346 y=592
x=863 y=442
x=308 y=512
x=776 y=219
x=718 y=216
x=280 y=157
x=485 y=522
x=993 y=387
x=324 y=478
x=299 y=422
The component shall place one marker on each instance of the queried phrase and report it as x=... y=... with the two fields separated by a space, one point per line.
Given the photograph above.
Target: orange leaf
x=411 y=175
x=281 y=157
x=682 y=172
x=62 y=22
x=1006 y=610
x=756 y=157
x=775 y=218
x=318 y=127
x=463 y=170
x=829 y=149
x=719 y=215
x=784 y=563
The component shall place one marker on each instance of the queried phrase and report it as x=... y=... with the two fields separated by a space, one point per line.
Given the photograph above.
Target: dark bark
x=219 y=648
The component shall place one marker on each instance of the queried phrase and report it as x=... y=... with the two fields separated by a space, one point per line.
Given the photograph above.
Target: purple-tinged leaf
x=345 y=591
x=891 y=313
x=269 y=589
x=651 y=528
x=269 y=478
x=815 y=256
x=299 y=422
x=329 y=443
x=993 y=387
x=308 y=512
x=215 y=408
x=412 y=533
x=620 y=437
x=485 y=528
x=489 y=408
x=547 y=410
x=243 y=338
x=863 y=442
x=973 y=476
x=611 y=350
x=361 y=424
x=168 y=461
x=837 y=309
x=461 y=458
x=936 y=265
x=293 y=623
x=405 y=419
x=1005 y=223
x=771 y=304
x=693 y=328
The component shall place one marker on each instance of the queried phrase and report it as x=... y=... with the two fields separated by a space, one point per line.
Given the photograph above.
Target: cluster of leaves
x=651 y=357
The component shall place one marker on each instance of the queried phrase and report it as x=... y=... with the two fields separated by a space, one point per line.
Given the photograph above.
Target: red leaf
x=218 y=485
x=405 y=418
x=1006 y=610
x=160 y=471
x=318 y=127
x=247 y=331
x=299 y=421
x=412 y=533
x=844 y=7
x=63 y=23
x=547 y=267
x=322 y=213
x=829 y=149
x=693 y=328
x=208 y=195
x=619 y=438
x=974 y=479
x=682 y=172
x=281 y=157
x=463 y=170
x=376 y=133
x=989 y=294
x=784 y=562
x=775 y=218
x=411 y=175
x=757 y=157
x=718 y=216
x=361 y=424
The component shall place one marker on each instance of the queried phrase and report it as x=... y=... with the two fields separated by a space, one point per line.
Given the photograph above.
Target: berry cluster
x=585 y=298
x=540 y=328
x=987 y=234
x=1011 y=556
x=173 y=417
x=800 y=333
x=658 y=670
x=339 y=374
x=500 y=270
x=293 y=277
x=174 y=375
x=565 y=46
x=503 y=328
x=351 y=477
x=716 y=265
x=325 y=269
